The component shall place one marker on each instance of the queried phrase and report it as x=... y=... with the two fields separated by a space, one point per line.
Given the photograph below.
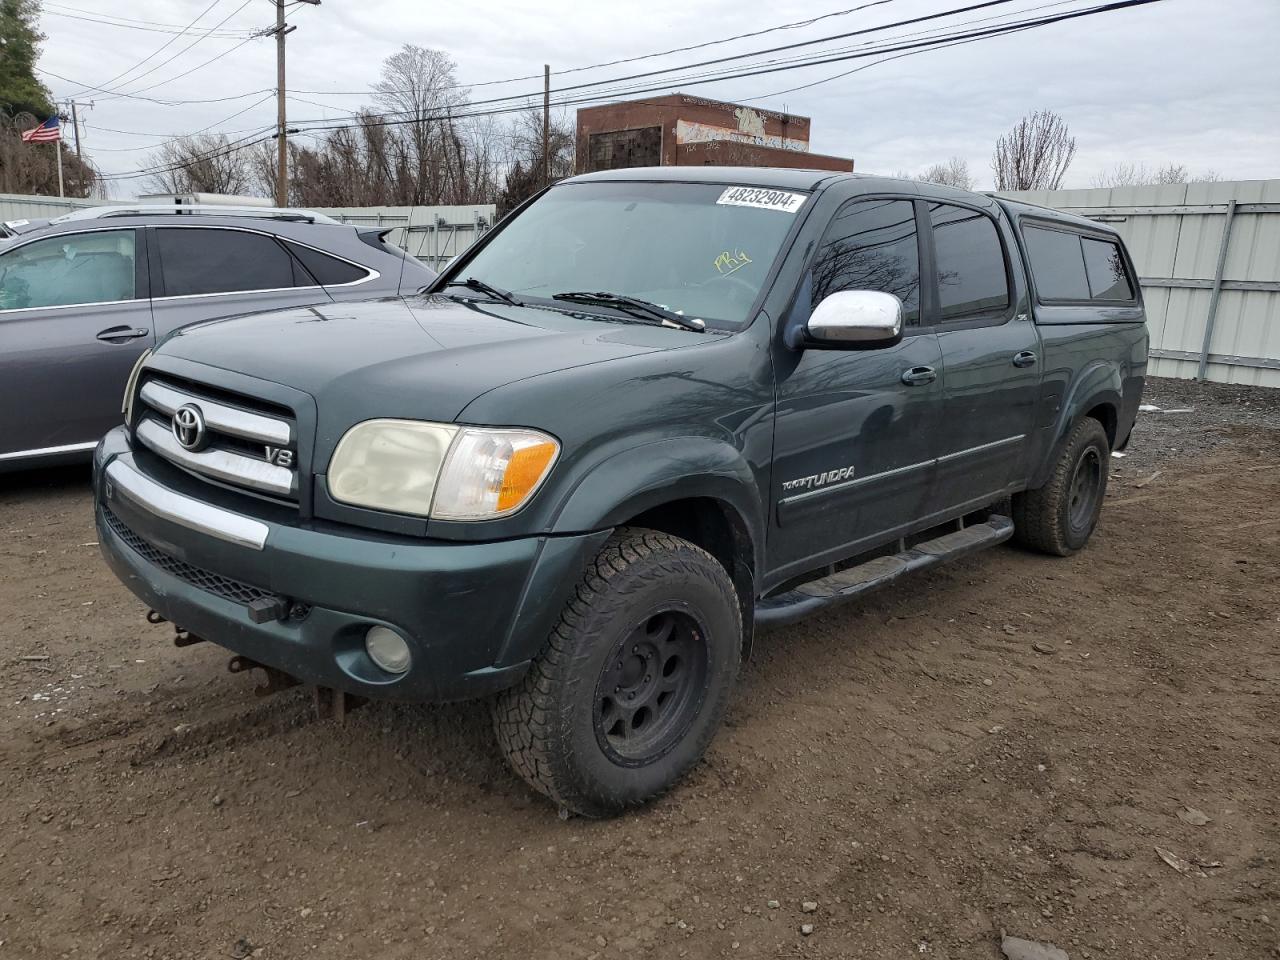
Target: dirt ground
x=1000 y=745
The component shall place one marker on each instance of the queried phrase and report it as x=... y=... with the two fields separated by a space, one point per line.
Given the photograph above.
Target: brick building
x=679 y=129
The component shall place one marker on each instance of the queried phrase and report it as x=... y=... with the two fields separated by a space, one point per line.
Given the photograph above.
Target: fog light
x=387 y=649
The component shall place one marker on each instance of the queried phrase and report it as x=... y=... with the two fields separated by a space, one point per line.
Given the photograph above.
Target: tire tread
x=525 y=718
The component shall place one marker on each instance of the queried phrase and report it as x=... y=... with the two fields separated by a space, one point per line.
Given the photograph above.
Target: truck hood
x=422 y=358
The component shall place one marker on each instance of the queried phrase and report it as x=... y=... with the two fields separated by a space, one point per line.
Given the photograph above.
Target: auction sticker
x=763 y=198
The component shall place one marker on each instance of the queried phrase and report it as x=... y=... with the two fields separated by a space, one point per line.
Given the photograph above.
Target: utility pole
x=546 y=124
x=75 y=125
x=282 y=130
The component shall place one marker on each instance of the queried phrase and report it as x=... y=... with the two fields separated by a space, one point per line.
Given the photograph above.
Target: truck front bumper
x=473 y=614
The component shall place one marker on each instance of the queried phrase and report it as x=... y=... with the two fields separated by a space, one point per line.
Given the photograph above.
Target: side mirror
x=856 y=320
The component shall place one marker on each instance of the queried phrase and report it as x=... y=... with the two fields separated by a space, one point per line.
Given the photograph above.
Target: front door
x=991 y=359
x=853 y=432
x=74 y=318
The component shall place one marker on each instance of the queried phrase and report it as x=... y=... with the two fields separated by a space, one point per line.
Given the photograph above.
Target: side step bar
x=847 y=584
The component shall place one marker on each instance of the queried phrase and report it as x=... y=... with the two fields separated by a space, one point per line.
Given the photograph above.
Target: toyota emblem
x=188 y=426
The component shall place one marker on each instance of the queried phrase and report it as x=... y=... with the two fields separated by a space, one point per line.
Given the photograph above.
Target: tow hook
x=181 y=636
x=277 y=680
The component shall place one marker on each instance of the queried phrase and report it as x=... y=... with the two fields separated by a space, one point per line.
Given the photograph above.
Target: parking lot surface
x=1001 y=745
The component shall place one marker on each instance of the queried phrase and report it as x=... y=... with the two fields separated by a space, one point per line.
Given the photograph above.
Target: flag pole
x=59 y=144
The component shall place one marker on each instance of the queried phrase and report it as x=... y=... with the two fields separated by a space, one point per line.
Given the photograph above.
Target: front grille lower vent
x=225 y=587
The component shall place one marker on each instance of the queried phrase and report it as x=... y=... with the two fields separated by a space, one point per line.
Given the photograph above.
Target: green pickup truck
x=651 y=410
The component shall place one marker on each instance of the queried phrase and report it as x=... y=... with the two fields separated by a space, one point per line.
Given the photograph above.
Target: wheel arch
x=1096 y=392
x=697 y=488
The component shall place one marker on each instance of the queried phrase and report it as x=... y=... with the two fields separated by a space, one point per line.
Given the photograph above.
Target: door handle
x=1024 y=359
x=121 y=334
x=918 y=376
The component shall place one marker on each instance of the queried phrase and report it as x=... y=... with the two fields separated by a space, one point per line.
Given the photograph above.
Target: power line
x=171 y=138
x=916 y=46
x=713 y=76
x=741 y=56
x=898 y=56
x=142 y=25
x=797 y=24
x=107 y=84
x=164 y=63
x=185 y=73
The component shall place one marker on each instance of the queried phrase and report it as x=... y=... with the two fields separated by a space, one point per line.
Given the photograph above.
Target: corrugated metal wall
x=432 y=234
x=1175 y=235
x=17 y=207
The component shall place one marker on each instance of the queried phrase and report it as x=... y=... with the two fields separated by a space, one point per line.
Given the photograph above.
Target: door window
x=324 y=269
x=871 y=245
x=77 y=268
x=970 y=263
x=1108 y=278
x=200 y=260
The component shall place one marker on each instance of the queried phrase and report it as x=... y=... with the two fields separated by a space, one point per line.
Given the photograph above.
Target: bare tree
x=1138 y=175
x=526 y=168
x=953 y=173
x=205 y=163
x=1035 y=154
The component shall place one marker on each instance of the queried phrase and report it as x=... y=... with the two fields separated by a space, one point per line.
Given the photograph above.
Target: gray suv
x=84 y=296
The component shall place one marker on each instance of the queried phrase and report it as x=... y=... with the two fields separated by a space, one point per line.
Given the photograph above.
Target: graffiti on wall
x=750 y=130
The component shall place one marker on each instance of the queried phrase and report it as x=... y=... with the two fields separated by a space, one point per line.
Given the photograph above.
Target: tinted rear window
x=325 y=269
x=1108 y=279
x=1056 y=264
x=970 y=259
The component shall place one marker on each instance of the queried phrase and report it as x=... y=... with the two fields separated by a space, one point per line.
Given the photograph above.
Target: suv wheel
x=634 y=680
x=1060 y=516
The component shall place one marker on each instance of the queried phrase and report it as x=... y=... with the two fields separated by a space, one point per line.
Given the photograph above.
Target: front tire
x=634 y=680
x=1060 y=517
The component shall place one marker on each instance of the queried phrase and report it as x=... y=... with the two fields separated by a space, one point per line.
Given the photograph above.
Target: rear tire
x=1059 y=517
x=634 y=680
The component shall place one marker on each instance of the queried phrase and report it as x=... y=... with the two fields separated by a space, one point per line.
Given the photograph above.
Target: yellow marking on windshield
x=728 y=263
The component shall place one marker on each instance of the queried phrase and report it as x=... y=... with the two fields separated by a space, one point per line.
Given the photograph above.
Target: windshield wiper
x=635 y=306
x=485 y=288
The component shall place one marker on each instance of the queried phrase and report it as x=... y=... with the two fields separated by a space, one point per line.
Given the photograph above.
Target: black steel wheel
x=1060 y=516
x=634 y=680
x=1085 y=491
x=652 y=687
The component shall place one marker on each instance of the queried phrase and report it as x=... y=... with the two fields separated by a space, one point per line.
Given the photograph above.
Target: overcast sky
x=1195 y=82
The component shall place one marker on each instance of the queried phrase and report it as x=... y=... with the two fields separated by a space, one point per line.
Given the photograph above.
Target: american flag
x=47 y=132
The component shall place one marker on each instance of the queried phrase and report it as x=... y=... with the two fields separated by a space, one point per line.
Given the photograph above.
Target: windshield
x=699 y=249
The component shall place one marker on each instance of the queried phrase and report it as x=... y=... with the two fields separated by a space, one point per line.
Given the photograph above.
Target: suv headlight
x=440 y=470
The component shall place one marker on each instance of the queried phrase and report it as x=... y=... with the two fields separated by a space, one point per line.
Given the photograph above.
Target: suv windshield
x=703 y=250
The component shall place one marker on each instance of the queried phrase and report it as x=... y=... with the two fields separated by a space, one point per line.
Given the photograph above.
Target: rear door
x=853 y=431
x=206 y=272
x=990 y=355
x=74 y=318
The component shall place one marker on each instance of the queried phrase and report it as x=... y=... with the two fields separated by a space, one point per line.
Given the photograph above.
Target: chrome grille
x=237 y=440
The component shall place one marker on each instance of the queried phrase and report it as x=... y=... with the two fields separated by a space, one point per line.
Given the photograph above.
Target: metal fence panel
x=432 y=234
x=18 y=207
x=1213 y=308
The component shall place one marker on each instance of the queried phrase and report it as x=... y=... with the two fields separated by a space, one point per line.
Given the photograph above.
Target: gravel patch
x=1214 y=411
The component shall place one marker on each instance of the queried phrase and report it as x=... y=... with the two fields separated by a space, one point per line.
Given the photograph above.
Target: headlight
x=390 y=465
x=440 y=470
x=130 y=385
x=491 y=473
